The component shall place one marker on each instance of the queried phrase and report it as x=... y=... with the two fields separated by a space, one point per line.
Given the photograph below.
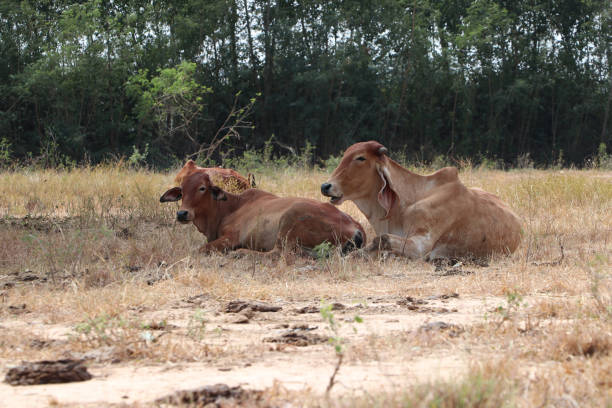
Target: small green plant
x=323 y=251
x=335 y=340
x=559 y=161
x=524 y=161
x=5 y=153
x=128 y=339
x=439 y=162
x=514 y=301
x=197 y=325
x=331 y=162
x=304 y=159
x=603 y=160
x=138 y=159
x=50 y=152
x=102 y=330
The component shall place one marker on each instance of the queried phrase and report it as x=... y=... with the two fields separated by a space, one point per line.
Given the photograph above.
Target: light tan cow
x=433 y=216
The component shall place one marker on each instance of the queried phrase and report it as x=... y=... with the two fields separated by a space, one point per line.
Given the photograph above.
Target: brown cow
x=229 y=179
x=429 y=217
x=260 y=221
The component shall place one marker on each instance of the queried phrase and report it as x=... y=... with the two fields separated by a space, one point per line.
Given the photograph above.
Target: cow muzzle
x=183 y=216
x=329 y=190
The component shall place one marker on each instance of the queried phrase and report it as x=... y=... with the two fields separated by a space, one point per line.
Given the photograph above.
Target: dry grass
x=95 y=245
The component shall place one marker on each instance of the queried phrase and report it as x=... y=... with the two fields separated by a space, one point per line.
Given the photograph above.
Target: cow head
x=199 y=199
x=362 y=173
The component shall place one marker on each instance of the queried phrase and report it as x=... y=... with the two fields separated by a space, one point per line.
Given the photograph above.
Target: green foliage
x=428 y=79
x=137 y=158
x=196 y=327
x=514 y=302
x=101 y=326
x=172 y=92
x=603 y=160
x=334 y=326
x=332 y=162
x=170 y=100
x=323 y=251
x=5 y=153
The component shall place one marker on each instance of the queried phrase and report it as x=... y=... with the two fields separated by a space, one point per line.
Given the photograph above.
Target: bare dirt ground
x=260 y=357
x=118 y=285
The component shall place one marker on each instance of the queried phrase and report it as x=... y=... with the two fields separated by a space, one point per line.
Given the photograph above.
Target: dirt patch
x=420 y=305
x=48 y=372
x=316 y=309
x=19 y=278
x=236 y=306
x=17 y=309
x=299 y=338
x=453 y=330
x=218 y=395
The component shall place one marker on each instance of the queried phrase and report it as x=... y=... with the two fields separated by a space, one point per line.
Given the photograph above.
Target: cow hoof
x=355 y=243
x=204 y=250
x=380 y=243
x=360 y=254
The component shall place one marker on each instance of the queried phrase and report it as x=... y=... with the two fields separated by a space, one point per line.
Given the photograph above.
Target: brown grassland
x=93 y=266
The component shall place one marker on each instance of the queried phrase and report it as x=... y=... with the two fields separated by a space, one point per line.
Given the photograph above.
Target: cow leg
x=222 y=244
x=272 y=255
x=414 y=247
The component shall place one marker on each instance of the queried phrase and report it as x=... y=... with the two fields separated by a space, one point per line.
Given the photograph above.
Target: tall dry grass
x=104 y=223
x=90 y=242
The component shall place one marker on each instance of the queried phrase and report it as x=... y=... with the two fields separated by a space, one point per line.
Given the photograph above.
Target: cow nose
x=182 y=215
x=325 y=188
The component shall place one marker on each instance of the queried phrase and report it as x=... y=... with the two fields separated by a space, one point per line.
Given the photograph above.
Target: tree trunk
x=252 y=58
x=233 y=47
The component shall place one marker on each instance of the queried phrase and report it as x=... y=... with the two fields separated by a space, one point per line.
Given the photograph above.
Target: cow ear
x=174 y=194
x=382 y=150
x=386 y=196
x=217 y=193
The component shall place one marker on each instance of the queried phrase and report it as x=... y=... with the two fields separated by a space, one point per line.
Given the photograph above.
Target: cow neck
x=374 y=212
x=224 y=209
x=408 y=186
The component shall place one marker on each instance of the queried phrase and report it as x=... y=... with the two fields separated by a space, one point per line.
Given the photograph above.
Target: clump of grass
x=583 y=340
x=491 y=385
x=119 y=339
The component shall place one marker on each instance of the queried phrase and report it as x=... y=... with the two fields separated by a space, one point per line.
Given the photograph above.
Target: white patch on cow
x=421 y=243
x=438 y=252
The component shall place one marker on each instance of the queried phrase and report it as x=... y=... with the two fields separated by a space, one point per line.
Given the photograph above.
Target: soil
x=283 y=346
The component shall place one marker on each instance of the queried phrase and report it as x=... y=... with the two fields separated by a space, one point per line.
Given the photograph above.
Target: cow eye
x=360 y=158
x=202 y=188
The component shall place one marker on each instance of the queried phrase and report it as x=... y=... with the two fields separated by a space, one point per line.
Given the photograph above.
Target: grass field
x=93 y=266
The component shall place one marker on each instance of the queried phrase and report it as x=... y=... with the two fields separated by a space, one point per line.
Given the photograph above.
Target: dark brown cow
x=260 y=221
x=430 y=217
x=228 y=179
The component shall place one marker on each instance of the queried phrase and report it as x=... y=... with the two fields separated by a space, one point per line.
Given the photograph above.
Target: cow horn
x=382 y=150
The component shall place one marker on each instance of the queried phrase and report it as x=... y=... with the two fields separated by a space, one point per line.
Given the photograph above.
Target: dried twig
x=332 y=379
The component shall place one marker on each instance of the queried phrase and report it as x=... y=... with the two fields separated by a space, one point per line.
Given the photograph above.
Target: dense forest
x=497 y=79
